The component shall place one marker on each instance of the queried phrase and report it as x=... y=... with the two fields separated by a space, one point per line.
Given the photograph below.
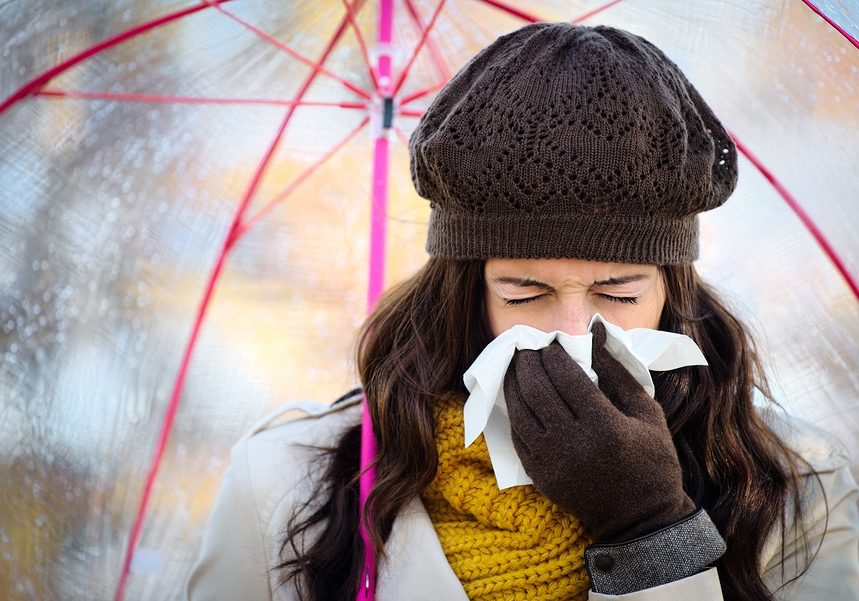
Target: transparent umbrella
x=186 y=230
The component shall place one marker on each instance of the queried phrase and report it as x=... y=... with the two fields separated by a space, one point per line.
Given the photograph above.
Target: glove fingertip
x=555 y=355
x=599 y=335
x=520 y=412
x=613 y=376
x=561 y=367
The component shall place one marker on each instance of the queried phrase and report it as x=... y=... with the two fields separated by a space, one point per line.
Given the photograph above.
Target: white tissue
x=639 y=350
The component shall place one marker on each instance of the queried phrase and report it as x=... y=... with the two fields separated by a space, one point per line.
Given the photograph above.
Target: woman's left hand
x=603 y=454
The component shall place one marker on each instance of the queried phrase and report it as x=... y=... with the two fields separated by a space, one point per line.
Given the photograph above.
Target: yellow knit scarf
x=502 y=544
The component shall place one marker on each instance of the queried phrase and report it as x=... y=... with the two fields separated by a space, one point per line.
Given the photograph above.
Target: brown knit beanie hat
x=561 y=140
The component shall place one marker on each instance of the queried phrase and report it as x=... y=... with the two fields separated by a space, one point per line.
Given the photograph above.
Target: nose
x=573 y=319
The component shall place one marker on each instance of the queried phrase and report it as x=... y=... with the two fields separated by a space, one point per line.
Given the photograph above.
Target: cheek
x=644 y=314
x=498 y=320
x=503 y=317
x=648 y=311
x=656 y=314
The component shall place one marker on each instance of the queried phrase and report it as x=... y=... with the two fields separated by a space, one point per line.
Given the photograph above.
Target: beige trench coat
x=268 y=477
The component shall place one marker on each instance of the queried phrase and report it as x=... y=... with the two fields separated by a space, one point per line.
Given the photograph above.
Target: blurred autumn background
x=113 y=212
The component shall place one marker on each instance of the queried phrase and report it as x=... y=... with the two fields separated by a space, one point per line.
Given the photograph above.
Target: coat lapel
x=415 y=568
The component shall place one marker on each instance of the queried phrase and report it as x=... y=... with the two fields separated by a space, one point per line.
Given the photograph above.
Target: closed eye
x=630 y=300
x=521 y=301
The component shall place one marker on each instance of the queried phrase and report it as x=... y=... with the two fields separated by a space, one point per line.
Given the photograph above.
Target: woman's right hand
x=603 y=453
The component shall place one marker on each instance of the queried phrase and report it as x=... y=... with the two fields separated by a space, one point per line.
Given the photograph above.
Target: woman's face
x=563 y=294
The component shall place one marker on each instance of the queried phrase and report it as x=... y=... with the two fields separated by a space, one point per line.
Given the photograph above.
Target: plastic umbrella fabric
x=190 y=186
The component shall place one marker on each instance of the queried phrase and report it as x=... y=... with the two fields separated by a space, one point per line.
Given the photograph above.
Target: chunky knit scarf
x=502 y=544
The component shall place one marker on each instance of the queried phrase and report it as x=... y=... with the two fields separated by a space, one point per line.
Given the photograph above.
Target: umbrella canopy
x=190 y=185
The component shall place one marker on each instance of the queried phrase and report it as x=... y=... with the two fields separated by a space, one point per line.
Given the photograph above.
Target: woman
x=565 y=167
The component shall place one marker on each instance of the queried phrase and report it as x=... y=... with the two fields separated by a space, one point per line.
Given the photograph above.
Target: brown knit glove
x=606 y=456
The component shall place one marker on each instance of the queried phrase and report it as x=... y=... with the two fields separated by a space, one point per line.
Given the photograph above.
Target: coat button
x=603 y=562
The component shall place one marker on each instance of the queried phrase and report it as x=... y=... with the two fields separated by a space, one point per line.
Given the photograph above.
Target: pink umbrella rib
x=169 y=417
x=512 y=10
x=155 y=98
x=441 y=65
x=173 y=405
x=437 y=56
x=317 y=68
x=595 y=11
x=351 y=14
x=424 y=35
x=420 y=94
x=837 y=27
x=804 y=217
x=40 y=80
x=232 y=237
x=280 y=197
x=525 y=16
x=412 y=112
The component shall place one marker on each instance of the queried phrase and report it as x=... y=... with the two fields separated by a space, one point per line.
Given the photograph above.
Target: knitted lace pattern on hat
x=502 y=544
x=562 y=140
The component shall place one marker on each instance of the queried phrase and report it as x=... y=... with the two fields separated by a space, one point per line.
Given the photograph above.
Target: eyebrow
x=624 y=279
x=523 y=282
x=529 y=283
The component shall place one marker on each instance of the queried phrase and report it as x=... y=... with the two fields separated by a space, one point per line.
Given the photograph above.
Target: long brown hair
x=423 y=336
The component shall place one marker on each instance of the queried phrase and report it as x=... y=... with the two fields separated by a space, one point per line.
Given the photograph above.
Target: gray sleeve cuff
x=674 y=552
